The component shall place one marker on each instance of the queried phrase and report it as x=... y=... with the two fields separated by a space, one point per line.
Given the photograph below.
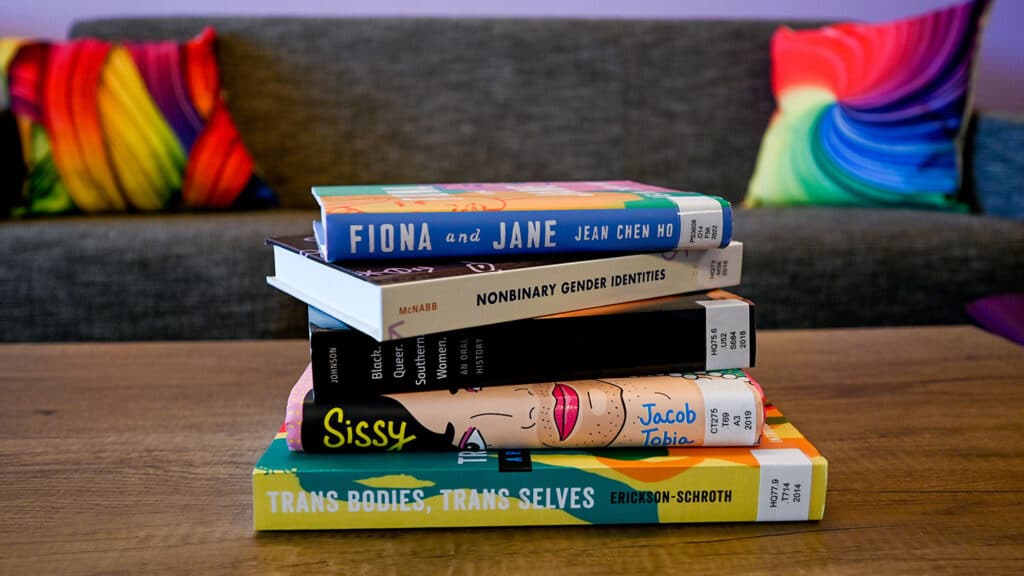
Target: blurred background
x=1000 y=81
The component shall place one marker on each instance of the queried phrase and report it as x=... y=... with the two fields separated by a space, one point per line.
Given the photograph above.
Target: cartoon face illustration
x=581 y=413
x=587 y=413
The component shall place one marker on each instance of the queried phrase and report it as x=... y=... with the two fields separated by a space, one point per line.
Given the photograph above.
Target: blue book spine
x=448 y=234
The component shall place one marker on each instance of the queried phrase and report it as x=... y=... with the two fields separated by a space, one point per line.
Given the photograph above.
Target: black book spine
x=348 y=363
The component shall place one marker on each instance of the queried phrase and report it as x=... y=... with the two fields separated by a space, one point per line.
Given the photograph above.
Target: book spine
x=710 y=335
x=719 y=409
x=700 y=224
x=523 y=488
x=462 y=302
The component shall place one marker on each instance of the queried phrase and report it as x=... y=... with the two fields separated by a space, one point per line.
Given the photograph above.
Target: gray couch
x=331 y=101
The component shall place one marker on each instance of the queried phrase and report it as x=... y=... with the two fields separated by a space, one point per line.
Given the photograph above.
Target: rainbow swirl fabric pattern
x=117 y=127
x=870 y=114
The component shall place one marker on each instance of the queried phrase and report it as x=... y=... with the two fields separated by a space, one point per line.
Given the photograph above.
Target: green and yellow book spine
x=782 y=479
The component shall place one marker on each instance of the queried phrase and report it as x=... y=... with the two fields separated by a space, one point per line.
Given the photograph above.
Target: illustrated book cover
x=514 y=218
x=782 y=479
x=709 y=330
x=390 y=300
x=721 y=408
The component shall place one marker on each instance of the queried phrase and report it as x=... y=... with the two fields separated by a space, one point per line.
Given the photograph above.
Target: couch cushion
x=203 y=276
x=178 y=276
x=870 y=114
x=996 y=165
x=115 y=127
x=815 y=267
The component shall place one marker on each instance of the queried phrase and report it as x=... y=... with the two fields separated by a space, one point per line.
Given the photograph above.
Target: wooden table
x=137 y=458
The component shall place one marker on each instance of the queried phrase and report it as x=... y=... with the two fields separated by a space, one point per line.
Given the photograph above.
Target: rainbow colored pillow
x=123 y=127
x=870 y=114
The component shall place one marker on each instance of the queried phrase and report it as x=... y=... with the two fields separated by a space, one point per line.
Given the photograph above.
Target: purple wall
x=1001 y=66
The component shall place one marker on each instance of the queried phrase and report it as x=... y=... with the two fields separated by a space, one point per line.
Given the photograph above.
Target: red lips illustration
x=567 y=409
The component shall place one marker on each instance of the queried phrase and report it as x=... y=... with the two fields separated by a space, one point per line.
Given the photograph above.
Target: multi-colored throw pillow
x=123 y=127
x=870 y=114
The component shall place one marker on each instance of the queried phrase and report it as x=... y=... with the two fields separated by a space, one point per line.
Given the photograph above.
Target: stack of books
x=523 y=354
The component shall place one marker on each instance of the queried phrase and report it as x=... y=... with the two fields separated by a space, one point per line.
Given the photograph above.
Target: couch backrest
x=345 y=101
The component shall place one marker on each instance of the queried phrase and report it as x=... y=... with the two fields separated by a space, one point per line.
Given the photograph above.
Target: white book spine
x=487 y=298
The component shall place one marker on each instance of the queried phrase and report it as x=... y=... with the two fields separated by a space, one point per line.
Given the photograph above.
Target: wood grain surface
x=136 y=458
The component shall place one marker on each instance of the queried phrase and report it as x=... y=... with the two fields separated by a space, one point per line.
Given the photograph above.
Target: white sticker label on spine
x=728 y=334
x=784 y=493
x=700 y=221
x=718 y=268
x=729 y=413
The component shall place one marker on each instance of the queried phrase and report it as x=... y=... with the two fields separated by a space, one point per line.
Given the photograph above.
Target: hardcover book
x=390 y=300
x=514 y=218
x=782 y=479
x=692 y=409
x=709 y=330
